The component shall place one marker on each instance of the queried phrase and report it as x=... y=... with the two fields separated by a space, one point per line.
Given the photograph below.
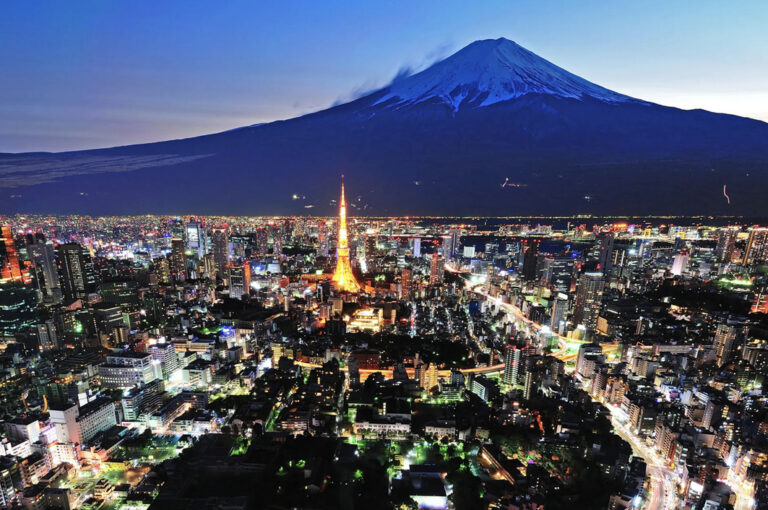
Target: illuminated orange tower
x=342 y=276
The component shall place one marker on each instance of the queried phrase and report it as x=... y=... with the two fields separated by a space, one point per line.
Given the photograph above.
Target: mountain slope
x=489 y=72
x=491 y=130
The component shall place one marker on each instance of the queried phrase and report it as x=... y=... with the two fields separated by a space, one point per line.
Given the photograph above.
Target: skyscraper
x=196 y=239
x=513 y=358
x=75 y=270
x=405 y=283
x=680 y=264
x=560 y=274
x=342 y=276
x=726 y=243
x=530 y=249
x=757 y=247
x=589 y=297
x=724 y=339
x=17 y=307
x=451 y=243
x=239 y=280
x=220 y=242
x=322 y=239
x=417 y=247
x=46 y=274
x=436 y=269
x=605 y=252
x=559 y=307
x=178 y=260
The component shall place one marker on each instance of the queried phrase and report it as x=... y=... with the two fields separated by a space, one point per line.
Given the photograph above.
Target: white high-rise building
x=124 y=370
x=680 y=264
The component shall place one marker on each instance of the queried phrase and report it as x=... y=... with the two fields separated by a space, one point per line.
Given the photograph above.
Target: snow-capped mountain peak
x=490 y=71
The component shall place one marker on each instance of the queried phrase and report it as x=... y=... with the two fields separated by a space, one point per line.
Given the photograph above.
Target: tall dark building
x=75 y=271
x=17 y=307
x=239 y=280
x=560 y=274
x=220 y=242
x=178 y=263
x=46 y=274
x=605 y=252
x=530 y=249
x=262 y=240
x=589 y=298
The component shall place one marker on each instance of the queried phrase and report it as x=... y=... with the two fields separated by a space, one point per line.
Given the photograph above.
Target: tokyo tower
x=342 y=276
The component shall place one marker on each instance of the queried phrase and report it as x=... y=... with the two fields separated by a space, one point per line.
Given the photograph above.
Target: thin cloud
x=409 y=69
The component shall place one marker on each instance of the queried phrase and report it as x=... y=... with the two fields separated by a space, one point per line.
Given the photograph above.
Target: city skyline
x=432 y=255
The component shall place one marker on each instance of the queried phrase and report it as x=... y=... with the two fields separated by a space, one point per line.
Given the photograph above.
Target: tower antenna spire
x=342 y=276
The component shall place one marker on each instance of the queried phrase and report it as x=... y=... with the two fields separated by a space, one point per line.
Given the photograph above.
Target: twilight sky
x=97 y=73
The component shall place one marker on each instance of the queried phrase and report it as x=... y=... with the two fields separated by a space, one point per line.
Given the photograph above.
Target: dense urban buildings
x=303 y=362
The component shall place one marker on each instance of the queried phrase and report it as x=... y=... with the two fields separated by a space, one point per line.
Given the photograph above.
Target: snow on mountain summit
x=490 y=71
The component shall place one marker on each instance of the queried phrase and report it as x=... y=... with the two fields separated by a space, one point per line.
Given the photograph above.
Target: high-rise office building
x=239 y=280
x=559 y=308
x=436 y=269
x=177 y=229
x=756 y=251
x=559 y=274
x=726 y=243
x=18 y=307
x=126 y=369
x=78 y=278
x=587 y=352
x=178 y=263
x=514 y=364
x=619 y=259
x=322 y=239
x=405 y=283
x=220 y=242
x=725 y=336
x=427 y=376
x=417 y=247
x=47 y=335
x=530 y=249
x=605 y=252
x=451 y=243
x=196 y=239
x=679 y=264
x=165 y=354
x=262 y=239
x=46 y=274
x=589 y=298
x=370 y=248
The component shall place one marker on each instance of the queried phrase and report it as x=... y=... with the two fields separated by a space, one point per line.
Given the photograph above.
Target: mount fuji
x=489 y=72
x=491 y=130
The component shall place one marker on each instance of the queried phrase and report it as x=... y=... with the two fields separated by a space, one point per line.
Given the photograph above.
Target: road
x=744 y=493
x=663 y=488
